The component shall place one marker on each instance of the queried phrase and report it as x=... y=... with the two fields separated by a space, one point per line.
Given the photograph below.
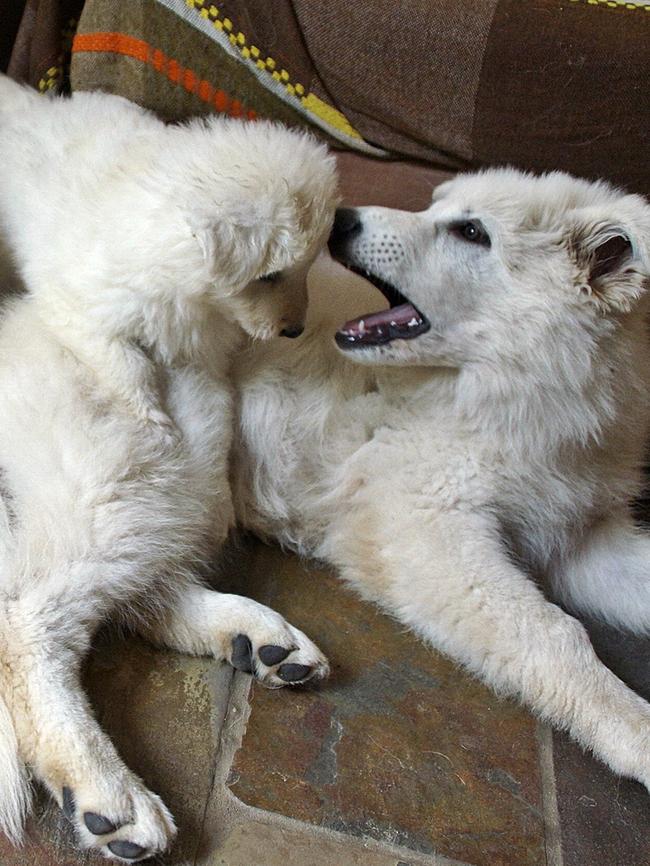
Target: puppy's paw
x=276 y=653
x=119 y=818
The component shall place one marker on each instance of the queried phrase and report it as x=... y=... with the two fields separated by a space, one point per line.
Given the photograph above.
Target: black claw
x=293 y=673
x=98 y=824
x=271 y=654
x=68 y=803
x=128 y=850
x=242 y=652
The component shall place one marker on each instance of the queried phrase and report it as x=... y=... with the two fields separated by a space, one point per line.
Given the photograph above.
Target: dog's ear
x=611 y=268
x=233 y=252
x=441 y=190
x=249 y=234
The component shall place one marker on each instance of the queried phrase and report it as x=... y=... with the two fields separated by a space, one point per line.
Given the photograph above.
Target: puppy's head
x=259 y=207
x=503 y=270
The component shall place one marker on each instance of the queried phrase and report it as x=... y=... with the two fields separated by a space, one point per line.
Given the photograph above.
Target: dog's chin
x=263 y=333
x=257 y=329
x=398 y=353
x=402 y=321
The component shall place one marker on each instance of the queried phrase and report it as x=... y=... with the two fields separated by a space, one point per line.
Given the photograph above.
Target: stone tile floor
x=400 y=759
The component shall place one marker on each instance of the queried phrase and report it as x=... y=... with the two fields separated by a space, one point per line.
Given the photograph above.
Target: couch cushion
x=565 y=85
x=555 y=84
x=188 y=57
x=400 y=184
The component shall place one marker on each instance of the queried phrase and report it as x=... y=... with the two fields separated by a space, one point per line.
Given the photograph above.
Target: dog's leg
x=45 y=634
x=110 y=807
x=449 y=577
x=132 y=375
x=123 y=370
x=608 y=576
x=250 y=636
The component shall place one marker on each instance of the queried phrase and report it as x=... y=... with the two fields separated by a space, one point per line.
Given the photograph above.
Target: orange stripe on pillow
x=115 y=43
x=129 y=46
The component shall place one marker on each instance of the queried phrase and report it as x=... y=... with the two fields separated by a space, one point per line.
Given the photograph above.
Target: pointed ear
x=441 y=190
x=610 y=271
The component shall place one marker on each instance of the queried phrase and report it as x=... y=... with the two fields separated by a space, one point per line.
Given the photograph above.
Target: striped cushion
x=457 y=83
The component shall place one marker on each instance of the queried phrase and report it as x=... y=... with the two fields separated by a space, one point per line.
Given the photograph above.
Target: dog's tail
x=15 y=794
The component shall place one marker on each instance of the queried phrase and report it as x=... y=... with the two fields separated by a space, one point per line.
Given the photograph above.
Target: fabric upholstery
x=543 y=85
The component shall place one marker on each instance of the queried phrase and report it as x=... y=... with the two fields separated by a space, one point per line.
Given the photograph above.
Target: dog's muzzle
x=403 y=321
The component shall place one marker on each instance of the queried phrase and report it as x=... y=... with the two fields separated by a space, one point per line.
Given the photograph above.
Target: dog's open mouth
x=403 y=321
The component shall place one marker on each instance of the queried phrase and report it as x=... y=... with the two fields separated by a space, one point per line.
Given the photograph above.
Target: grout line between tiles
x=552 y=828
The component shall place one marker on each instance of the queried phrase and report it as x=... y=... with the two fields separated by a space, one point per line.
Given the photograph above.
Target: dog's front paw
x=276 y=653
x=119 y=818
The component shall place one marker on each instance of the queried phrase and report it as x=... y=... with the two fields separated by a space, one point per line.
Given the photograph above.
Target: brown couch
x=455 y=83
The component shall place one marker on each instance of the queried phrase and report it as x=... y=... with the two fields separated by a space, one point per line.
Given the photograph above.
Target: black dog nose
x=292 y=333
x=347 y=224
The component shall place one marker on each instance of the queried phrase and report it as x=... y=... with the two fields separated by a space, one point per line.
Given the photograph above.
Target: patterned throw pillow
x=457 y=83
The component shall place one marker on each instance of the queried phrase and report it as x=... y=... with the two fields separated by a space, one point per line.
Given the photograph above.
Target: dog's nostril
x=292 y=333
x=347 y=224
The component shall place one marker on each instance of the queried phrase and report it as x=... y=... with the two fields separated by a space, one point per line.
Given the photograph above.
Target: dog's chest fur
x=75 y=461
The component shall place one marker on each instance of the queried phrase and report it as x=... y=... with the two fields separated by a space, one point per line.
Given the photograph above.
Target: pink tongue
x=401 y=315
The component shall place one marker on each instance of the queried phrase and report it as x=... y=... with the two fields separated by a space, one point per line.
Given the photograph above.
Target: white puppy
x=485 y=433
x=146 y=251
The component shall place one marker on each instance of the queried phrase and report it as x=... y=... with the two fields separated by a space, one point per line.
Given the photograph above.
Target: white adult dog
x=483 y=435
x=146 y=251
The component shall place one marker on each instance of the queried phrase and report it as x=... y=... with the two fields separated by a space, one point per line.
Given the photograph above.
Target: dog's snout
x=346 y=221
x=292 y=332
x=347 y=224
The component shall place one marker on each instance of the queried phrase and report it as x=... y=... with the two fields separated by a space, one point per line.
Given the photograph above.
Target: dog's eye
x=271 y=278
x=472 y=231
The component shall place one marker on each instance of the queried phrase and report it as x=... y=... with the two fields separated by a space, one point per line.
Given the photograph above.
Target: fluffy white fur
x=448 y=475
x=140 y=246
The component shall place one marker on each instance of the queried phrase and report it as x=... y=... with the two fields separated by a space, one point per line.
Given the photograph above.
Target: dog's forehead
x=522 y=200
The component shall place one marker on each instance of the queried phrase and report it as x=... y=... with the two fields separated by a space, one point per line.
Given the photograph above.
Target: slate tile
x=399 y=745
x=603 y=818
x=254 y=843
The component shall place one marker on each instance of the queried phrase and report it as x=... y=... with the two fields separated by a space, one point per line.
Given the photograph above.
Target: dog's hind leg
x=448 y=576
x=247 y=634
x=608 y=575
x=15 y=794
x=14 y=786
x=110 y=807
